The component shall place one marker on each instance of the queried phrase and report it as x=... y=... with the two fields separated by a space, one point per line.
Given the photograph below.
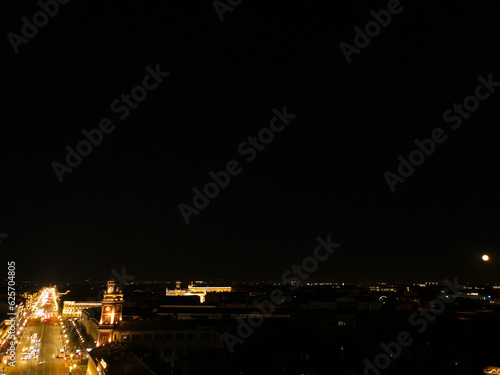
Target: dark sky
x=323 y=175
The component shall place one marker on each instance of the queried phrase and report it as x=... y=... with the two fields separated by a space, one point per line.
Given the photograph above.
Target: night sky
x=322 y=175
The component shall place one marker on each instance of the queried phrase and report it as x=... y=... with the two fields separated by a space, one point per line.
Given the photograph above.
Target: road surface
x=49 y=330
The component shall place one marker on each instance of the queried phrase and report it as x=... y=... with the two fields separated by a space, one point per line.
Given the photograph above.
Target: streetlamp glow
x=485 y=257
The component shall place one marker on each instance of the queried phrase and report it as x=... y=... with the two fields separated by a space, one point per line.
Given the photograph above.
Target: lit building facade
x=73 y=309
x=111 y=312
x=170 y=338
x=194 y=290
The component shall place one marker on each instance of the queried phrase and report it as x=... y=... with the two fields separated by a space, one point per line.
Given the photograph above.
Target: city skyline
x=238 y=187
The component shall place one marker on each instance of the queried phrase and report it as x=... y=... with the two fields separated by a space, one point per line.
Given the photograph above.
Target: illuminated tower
x=111 y=312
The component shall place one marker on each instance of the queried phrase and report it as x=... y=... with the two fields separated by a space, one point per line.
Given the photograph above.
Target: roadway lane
x=49 y=346
x=51 y=341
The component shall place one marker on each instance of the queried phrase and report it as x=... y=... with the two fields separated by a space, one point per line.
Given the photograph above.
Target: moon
x=485 y=258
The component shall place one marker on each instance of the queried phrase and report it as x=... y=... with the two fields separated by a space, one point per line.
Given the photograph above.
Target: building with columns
x=196 y=290
x=73 y=309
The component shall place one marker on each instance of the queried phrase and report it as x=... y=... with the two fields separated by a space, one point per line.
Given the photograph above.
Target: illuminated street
x=42 y=339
